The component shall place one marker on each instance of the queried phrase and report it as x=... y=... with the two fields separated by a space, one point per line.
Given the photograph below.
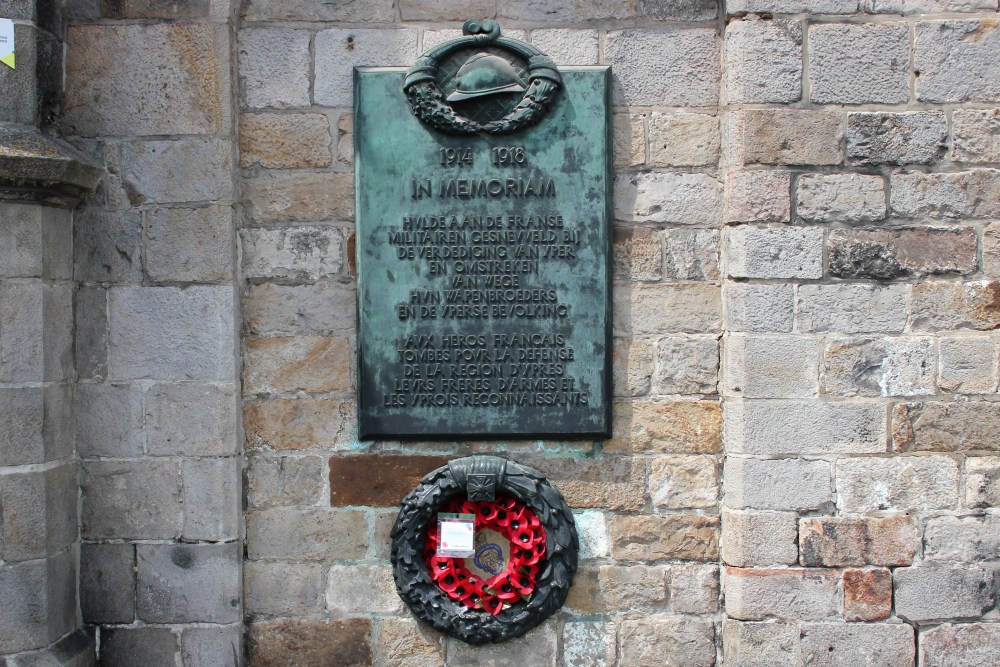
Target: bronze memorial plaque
x=483 y=178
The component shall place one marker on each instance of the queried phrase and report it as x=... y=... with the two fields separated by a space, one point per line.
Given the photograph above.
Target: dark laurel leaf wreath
x=433 y=605
x=427 y=103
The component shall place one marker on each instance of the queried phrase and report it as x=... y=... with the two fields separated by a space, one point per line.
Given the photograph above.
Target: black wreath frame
x=427 y=100
x=420 y=508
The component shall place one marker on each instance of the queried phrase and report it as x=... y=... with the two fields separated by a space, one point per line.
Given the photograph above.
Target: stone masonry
x=804 y=468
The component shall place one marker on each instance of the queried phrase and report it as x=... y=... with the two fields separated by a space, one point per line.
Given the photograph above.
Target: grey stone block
x=763 y=62
x=108 y=246
x=678 y=10
x=274 y=67
x=960 y=645
x=91 y=333
x=759 y=308
x=670 y=67
x=212 y=490
x=284 y=589
x=768 y=427
x=285 y=480
x=899 y=366
x=169 y=333
x=897 y=138
x=212 y=647
x=180 y=170
x=74 y=650
x=36 y=341
x=131 y=499
x=905 y=483
x=770 y=366
x=31 y=90
x=767 y=644
x=589 y=644
x=957 y=61
x=852 y=308
x=107 y=583
x=319 y=308
x=39 y=513
x=942 y=592
x=36 y=424
x=38 y=241
x=192 y=419
x=967 y=539
x=190 y=244
x=187 y=583
x=685 y=199
x=339 y=50
x=775 y=252
x=312 y=533
x=859 y=63
x=784 y=484
x=39 y=602
x=109 y=420
x=849 y=644
x=138 y=647
x=299 y=253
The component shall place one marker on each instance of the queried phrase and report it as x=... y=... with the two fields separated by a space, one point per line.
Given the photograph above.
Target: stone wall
x=806 y=264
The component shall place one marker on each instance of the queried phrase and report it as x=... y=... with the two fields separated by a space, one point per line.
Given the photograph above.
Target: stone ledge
x=40 y=168
x=74 y=650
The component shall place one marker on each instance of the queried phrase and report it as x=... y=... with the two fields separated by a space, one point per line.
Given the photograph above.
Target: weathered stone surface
x=566 y=47
x=585 y=594
x=338 y=50
x=632 y=366
x=36 y=341
x=633 y=588
x=39 y=243
x=687 y=365
x=283 y=589
x=897 y=138
x=299 y=197
x=300 y=253
x=377 y=480
x=956 y=61
x=650 y=66
x=662 y=309
x=670 y=427
x=982 y=481
x=313 y=533
x=694 y=588
x=759 y=538
x=771 y=644
x=770 y=366
x=758 y=308
x=108 y=246
x=212 y=499
x=964 y=539
x=684 y=482
x=945 y=427
x=589 y=644
x=284 y=480
x=629 y=135
x=991 y=250
x=188 y=583
x=379 y=11
x=274 y=66
x=774 y=252
x=91 y=341
x=169 y=333
x=852 y=308
x=281 y=141
x=191 y=420
x=804 y=427
x=925 y=6
x=784 y=137
x=803 y=594
x=540 y=645
x=134 y=647
x=405 y=643
x=160 y=9
x=179 y=170
x=310 y=643
x=107 y=583
x=840 y=198
x=637 y=254
x=758 y=196
x=763 y=62
x=684 y=199
x=859 y=63
x=318 y=308
x=592 y=528
x=974 y=193
x=940 y=306
x=667 y=642
x=898 y=484
x=685 y=537
x=867 y=595
x=976 y=135
x=190 y=244
x=829 y=644
x=902 y=366
x=940 y=592
x=690 y=254
x=793 y=7
x=683 y=139
x=300 y=423
x=885 y=254
x=207 y=646
x=604 y=483
x=131 y=500
x=297 y=363
x=533 y=10
x=36 y=424
x=677 y=10
x=109 y=420
x=39 y=513
x=835 y=542
x=173 y=80
x=354 y=589
x=960 y=645
x=784 y=484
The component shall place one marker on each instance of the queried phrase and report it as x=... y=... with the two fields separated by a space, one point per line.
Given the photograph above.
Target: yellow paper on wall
x=7 y=42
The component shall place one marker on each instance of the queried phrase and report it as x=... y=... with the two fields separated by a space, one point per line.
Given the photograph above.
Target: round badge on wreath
x=523 y=559
x=482 y=83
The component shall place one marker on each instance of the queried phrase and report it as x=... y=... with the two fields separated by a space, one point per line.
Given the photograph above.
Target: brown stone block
x=808 y=594
x=946 y=427
x=885 y=254
x=693 y=427
x=828 y=541
x=687 y=537
x=377 y=480
x=306 y=533
x=867 y=595
x=938 y=306
x=611 y=483
x=284 y=141
x=635 y=588
x=298 y=197
x=638 y=255
x=300 y=423
x=310 y=643
x=405 y=643
x=154 y=9
x=303 y=363
x=788 y=136
x=585 y=593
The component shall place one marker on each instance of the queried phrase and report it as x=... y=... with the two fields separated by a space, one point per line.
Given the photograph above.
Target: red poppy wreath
x=492 y=587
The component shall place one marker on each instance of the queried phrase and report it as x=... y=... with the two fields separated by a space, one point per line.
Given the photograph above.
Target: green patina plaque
x=483 y=245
